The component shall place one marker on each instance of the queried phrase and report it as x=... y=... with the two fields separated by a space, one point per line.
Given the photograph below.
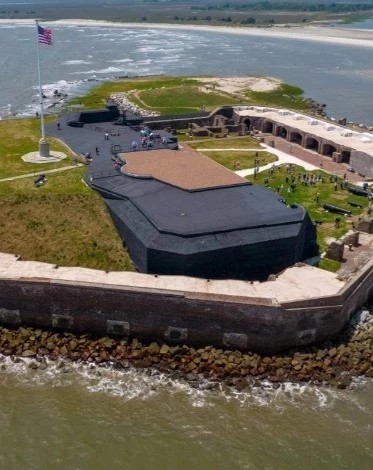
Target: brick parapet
x=199 y=318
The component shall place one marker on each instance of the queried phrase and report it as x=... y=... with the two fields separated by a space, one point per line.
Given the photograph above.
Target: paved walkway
x=36 y=173
x=287 y=152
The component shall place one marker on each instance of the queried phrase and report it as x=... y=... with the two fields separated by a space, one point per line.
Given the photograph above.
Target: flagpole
x=40 y=87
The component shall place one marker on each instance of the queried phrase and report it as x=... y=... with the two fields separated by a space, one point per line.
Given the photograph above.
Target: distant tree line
x=286 y=6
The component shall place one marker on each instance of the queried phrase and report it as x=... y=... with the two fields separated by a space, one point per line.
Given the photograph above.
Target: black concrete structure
x=236 y=231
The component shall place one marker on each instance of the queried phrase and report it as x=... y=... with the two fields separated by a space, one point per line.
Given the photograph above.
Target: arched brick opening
x=328 y=150
x=346 y=155
x=267 y=127
x=296 y=137
x=247 y=122
x=281 y=132
x=312 y=144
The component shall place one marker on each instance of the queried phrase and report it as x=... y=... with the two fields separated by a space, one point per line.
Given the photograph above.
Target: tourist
x=58 y=126
x=134 y=145
x=106 y=135
x=97 y=150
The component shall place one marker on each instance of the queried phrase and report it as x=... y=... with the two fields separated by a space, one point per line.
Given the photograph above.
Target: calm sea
x=340 y=76
x=100 y=419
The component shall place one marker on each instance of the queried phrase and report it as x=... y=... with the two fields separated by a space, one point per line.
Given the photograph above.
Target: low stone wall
x=362 y=163
x=226 y=321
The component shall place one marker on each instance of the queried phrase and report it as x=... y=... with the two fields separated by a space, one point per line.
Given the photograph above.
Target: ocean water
x=339 y=75
x=95 y=418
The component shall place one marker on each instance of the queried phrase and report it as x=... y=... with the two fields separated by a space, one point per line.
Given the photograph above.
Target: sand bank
x=349 y=37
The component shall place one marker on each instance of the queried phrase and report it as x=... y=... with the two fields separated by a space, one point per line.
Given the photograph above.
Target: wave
x=76 y=62
x=143 y=384
x=121 y=61
x=93 y=72
x=69 y=88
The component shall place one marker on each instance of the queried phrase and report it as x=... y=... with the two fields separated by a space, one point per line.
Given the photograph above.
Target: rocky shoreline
x=125 y=104
x=333 y=363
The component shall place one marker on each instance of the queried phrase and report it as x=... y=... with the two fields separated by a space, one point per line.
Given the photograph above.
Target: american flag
x=45 y=36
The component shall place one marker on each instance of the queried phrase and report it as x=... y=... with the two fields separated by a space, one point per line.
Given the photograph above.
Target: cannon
x=336 y=209
x=354 y=204
x=358 y=192
x=41 y=179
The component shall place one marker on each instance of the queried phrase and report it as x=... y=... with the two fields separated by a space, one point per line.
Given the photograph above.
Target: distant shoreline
x=349 y=37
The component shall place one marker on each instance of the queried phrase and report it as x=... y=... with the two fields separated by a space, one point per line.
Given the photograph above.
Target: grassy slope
x=18 y=137
x=63 y=222
x=97 y=96
x=176 y=95
x=179 y=100
x=285 y=96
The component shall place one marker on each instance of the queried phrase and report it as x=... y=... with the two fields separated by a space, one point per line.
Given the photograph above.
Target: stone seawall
x=227 y=314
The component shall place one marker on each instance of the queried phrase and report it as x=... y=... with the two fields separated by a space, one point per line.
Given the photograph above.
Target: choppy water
x=338 y=75
x=98 y=418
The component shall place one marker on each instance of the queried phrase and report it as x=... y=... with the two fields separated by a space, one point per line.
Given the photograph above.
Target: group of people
x=148 y=139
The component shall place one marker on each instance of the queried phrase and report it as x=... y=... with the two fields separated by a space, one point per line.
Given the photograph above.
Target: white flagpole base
x=44 y=148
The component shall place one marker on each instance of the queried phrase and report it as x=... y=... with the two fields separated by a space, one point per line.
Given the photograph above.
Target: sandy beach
x=334 y=35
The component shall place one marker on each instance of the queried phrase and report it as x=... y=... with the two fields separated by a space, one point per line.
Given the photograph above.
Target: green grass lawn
x=179 y=100
x=306 y=196
x=63 y=222
x=21 y=136
x=226 y=143
x=178 y=95
x=246 y=159
x=97 y=96
x=285 y=96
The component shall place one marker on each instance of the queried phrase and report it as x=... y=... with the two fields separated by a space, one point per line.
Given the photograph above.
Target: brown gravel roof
x=185 y=169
